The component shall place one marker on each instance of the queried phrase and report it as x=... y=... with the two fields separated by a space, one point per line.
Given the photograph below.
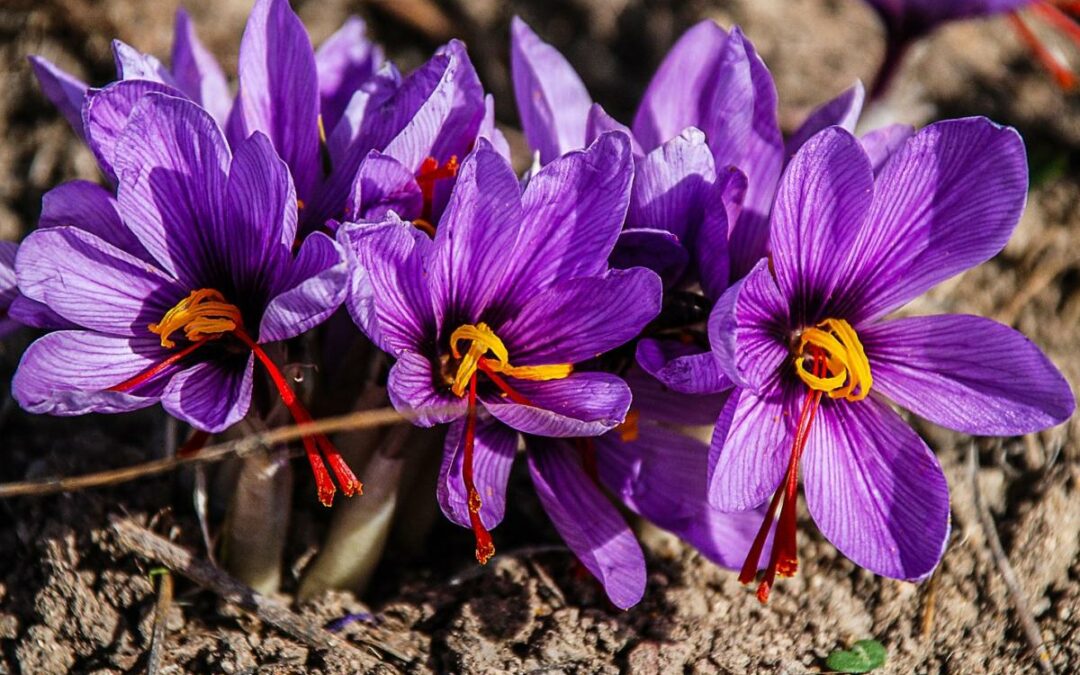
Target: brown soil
x=71 y=600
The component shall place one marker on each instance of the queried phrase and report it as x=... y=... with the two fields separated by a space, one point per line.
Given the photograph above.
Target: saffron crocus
x=494 y=323
x=907 y=21
x=8 y=290
x=817 y=364
x=194 y=281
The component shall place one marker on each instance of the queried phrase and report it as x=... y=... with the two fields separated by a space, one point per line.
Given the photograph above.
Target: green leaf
x=864 y=656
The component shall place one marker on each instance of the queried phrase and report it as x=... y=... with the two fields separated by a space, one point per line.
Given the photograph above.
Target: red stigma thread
x=485 y=548
x=1061 y=73
x=155 y=370
x=313 y=443
x=431 y=172
x=785 y=559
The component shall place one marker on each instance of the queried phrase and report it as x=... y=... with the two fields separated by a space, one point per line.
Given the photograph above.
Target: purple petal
x=279 y=90
x=588 y=523
x=310 y=290
x=473 y=238
x=67 y=372
x=751 y=447
x=600 y=123
x=573 y=212
x=388 y=294
x=89 y=207
x=493 y=455
x=260 y=223
x=36 y=314
x=92 y=283
x=663 y=476
x=384 y=184
x=1004 y=387
x=666 y=406
x=820 y=210
x=412 y=391
x=658 y=250
x=748 y=330
x=875 y=490
x=842 y=111
x=711 y=247
x=683 y=368
x=671 y=184
x=197 y=72
x=490 y=132
x=131 y=64
x=551 y=98
x=213 y=395
x=344 y=61
x=106 y=114
x=583 y=404
x=457 y=132
x=172 y=163
x=63 y=90
x=673 y=100
x=8 y=288
x=945 y=202
x=881 y=144
x=580 y=319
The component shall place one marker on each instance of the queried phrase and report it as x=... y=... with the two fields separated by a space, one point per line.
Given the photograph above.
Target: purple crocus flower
x=324 y=111
x=196 y=275
x=817 y=367
x=8 y=290
x=494 y=324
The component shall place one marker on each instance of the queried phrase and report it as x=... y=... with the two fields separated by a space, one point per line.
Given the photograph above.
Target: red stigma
x=785 y=558
x=485 y=548
x=430 y=173
x=1057 y=15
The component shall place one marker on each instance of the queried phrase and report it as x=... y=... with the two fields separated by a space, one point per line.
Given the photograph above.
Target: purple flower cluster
x=638 y=290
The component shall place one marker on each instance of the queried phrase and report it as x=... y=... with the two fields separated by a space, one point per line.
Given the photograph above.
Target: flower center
x=481 y=342
x=846 y=369
x=430 y=173
x=202 y=315
x=205 y=315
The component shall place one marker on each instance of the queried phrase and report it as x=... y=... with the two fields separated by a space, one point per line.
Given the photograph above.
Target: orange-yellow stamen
x=203 y=315
x=628 y=430
x=847 y=370
x=482 y=341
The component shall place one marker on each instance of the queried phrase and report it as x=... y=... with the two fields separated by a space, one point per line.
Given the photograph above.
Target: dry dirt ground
x=72 y=600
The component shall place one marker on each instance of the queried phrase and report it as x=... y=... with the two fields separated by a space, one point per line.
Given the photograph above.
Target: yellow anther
x=847 y=369
x=424 y=226
x=202 y=315
x=628 y=430
x=483 y=340
x=322 y=130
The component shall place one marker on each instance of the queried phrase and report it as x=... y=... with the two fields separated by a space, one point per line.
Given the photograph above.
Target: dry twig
x=161 y=617
x=140 y=541
x=1001 y=561
x=215 y=453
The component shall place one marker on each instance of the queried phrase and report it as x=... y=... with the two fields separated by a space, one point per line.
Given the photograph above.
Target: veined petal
x=573 y=211
x=751 y=446
x=62 y=89
x=131 y=64
x=875 y=490
x=583 y=404
x=683 y=368
x=67 y=372
x=88 y=206
x=880 y=144
x=197 y=72
x=947 y=201
x=749 y=330
x=92 y=283
x=494 y=450
x=311 y=288
x=711 y=248
x=579 y=319
x=668 y=407
x=967 y=373
x=384 y=184
x=344 y=61
x=585 y=519
x=106 y=113
x=279 y=90
x=551 y=99
x=671 y=184
x=842 y=111
x=412 y=391
x=820 y=211
x=600 y=123
x=36 y=314
x=662 y=475
x=8 y=289
x=212 y=395
x=658 y=250
x=388 y=294
x=172 y=164
x=475 y=235
x=260 y=228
